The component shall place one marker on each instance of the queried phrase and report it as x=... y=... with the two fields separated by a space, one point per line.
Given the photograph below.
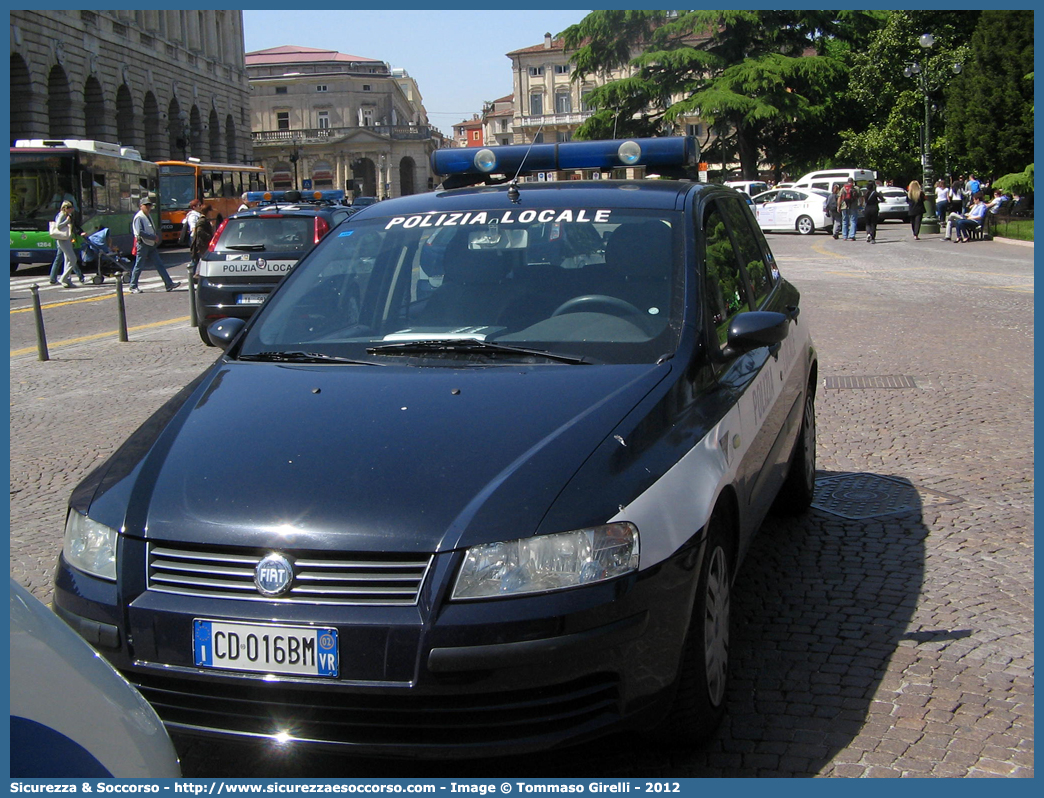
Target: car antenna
x=513 y=193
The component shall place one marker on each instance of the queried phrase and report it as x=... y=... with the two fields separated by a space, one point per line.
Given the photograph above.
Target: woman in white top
x=64 y=221
x=942 y=199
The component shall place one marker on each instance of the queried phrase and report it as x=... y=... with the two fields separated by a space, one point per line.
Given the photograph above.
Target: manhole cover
x=869 y=382
x=859 y=496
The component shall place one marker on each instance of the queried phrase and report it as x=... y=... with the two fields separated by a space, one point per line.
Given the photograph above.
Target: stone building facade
x=328 y=120
x=171 y=84
x=549 y=105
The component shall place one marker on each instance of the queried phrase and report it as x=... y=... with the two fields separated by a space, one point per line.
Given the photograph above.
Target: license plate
x=260 y=648
x=21 y=254
x=250 y=299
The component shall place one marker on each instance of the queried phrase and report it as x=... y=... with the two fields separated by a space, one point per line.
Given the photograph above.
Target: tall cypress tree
x=989 y=113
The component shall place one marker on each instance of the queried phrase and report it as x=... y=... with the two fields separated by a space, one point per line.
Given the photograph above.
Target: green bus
x=104 y=182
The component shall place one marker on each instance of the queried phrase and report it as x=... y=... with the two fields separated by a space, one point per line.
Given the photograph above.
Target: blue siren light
x=674 y=152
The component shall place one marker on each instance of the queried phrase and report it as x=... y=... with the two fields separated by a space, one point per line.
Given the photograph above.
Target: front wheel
x=798 y=491
x=805 y=225
x=699 y=704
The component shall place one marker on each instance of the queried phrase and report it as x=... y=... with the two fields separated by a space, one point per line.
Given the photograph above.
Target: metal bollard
x=121 y=309
x=193 y=321
x=41 y=337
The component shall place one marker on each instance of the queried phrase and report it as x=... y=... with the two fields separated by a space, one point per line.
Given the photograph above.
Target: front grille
x=384 y=719
x=319 y=577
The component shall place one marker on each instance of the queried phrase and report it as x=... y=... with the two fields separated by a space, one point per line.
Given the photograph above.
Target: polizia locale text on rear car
x=476 y=479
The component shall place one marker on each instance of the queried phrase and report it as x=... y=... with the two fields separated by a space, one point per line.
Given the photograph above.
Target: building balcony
x=319 y=135
x=556 y=120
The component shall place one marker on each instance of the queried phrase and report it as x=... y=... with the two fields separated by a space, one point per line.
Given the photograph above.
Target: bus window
x=208 y=185
x=99 y=196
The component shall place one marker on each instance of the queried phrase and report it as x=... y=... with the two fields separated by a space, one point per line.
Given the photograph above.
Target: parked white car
x=748 y=187
x=895 y=204
x=786 y=209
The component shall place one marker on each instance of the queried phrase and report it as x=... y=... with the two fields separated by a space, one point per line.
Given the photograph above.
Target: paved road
x=889 y=632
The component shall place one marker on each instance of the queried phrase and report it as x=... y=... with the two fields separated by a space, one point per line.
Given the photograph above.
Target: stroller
x=97 y=253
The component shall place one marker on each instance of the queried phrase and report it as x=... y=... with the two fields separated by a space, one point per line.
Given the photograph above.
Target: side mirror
x=755 y=329
x=224 y=331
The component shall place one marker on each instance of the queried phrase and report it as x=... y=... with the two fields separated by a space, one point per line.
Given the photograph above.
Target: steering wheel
x=601 y=303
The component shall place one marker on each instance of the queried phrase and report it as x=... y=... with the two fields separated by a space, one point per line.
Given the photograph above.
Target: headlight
x=548 y=562
x=90 y=546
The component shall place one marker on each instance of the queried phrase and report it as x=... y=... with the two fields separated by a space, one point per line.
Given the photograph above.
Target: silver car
x=72 y=714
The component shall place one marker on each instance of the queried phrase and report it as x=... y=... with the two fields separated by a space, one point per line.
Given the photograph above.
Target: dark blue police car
x=483 y=496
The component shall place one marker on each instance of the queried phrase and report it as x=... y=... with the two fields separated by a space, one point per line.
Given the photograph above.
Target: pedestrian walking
x=872 y=201
x=146 y=241
x=63 y=235
x=192 y=219
x=848 y=201
x=832 y=209
x=916 y=198
x=201 y=237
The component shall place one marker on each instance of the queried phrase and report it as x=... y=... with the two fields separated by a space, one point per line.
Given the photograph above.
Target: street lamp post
x=295 y=156
x=914 y=70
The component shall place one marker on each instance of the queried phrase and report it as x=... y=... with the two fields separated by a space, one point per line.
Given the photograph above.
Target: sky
x=456 y=67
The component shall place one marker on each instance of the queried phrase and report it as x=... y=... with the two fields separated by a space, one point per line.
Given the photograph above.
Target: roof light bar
x=672 y=152
x=329 y=195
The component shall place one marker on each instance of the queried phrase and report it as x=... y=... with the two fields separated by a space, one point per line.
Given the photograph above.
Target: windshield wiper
x=246 y=247
x=302 y=357
x=470 y=346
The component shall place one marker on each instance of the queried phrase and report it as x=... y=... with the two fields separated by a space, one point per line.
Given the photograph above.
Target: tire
x=805 y=225
x=799 y=488
x=702 y=688
x=203 y=335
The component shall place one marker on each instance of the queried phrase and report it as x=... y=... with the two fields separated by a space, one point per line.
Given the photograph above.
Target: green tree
x=885 y=129
x=989 y=113
x=765 y=75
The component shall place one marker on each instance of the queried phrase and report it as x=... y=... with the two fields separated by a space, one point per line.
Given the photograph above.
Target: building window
x=503 y=126
x=585 y=101
x=563 y=102
x=367 y=117
x=694 y=130
x=561 y=69
x=321 y=87
x=538 y=138
x=536 y=104
x=282 y=120
x=366 y=87
x=536 y=72
x=280 y=89
x=323 y=120
x=564 y=135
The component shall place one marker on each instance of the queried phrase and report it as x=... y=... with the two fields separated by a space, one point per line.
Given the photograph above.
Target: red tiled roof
x=292 y=54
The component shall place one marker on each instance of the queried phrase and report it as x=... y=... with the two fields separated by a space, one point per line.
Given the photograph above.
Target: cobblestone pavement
x=889 y=632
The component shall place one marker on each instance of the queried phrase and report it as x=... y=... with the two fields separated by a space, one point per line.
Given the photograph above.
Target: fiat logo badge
x=274 y=575
x=262 y=263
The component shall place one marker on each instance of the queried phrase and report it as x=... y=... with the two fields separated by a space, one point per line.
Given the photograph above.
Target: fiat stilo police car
x=493 y=455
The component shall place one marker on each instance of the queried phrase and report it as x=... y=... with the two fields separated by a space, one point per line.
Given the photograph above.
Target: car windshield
x=267 y=234
x=556 y=286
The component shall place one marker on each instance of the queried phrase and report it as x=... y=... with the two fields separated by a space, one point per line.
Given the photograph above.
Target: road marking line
x=67 y=302
x=98 y=336
x=819 y=248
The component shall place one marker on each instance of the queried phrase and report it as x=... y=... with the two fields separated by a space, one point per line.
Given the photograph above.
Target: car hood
x=362 y=457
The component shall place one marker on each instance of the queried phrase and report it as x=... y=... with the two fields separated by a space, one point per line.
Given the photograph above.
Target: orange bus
x=219 y=185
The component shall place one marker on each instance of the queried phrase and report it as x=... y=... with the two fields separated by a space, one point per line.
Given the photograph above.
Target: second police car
x=255 y=249
x=496 y=507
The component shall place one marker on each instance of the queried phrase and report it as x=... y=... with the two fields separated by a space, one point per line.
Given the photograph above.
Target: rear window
x=259 y=233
